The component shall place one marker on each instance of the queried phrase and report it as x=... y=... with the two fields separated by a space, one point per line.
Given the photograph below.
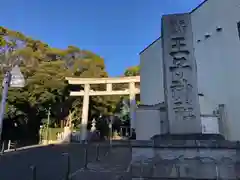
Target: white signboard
x=17 y=78
x=210 y=125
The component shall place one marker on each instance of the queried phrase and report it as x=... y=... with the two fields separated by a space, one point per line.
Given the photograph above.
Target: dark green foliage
x=45 y=69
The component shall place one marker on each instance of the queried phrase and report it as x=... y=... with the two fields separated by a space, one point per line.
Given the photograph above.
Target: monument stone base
x=170 y=137
x=185 y=159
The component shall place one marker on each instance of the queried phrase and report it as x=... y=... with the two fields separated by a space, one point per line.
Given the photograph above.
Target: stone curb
x=191 y=144
x=27 y=147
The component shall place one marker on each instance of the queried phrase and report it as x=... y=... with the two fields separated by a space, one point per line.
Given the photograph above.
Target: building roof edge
x=196 y=8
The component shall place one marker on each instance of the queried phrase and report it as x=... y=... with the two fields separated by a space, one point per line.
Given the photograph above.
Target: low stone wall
x=185 y=159
x=182 y=159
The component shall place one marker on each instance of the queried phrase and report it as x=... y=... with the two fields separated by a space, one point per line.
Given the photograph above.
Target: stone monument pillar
x=180 y=75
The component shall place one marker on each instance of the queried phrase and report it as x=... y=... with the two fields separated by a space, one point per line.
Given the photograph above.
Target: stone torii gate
x=87 y=92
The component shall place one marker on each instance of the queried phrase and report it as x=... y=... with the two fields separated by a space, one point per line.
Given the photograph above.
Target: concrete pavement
x=51 y=164
x=49 y=161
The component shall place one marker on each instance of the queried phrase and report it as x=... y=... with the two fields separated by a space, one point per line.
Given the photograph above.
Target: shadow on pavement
x=49 y=161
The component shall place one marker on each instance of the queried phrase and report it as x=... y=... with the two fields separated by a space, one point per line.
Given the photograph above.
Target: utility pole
x=5 y=85
x=12 y=78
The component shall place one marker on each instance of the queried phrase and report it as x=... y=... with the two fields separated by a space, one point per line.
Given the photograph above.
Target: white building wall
x=218 y=57
x=148 y=124
x=218 y=62
x=151 y=71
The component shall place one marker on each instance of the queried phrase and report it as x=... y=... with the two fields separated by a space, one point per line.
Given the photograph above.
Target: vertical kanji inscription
x=180 y=75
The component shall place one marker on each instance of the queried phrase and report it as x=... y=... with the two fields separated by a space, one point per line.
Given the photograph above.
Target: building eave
x=150 y=45
x=200 y=5
x=196 y=8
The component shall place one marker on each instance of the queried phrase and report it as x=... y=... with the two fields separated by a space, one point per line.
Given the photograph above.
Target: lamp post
x=13 y=78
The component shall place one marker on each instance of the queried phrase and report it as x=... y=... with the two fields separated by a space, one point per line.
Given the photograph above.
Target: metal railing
x=8 y=145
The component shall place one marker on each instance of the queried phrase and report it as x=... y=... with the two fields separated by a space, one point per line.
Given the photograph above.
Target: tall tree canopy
x=132 y=71
x=45 y=73
x=45 y=69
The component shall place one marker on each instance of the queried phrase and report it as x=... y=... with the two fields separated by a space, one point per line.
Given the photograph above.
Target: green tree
x=132 y=71
x=45 y=69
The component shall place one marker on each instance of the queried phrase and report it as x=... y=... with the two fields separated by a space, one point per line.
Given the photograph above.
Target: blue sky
x=117 y=30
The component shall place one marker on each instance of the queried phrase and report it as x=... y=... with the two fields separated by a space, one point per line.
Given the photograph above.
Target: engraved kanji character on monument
x=181 y=92
x=178 y=95
x=182 y=113
x=189 y=114
x=178 y=26
x=179 y=53
x=178 y=111
x=177 y=76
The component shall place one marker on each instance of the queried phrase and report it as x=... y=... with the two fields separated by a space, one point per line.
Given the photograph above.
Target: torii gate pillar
x=132 y=98
x=85 y=108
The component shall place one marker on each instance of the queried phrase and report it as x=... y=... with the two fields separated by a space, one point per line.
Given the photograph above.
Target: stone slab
x=204 y=144
x=184 y=163
x=180 y=75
